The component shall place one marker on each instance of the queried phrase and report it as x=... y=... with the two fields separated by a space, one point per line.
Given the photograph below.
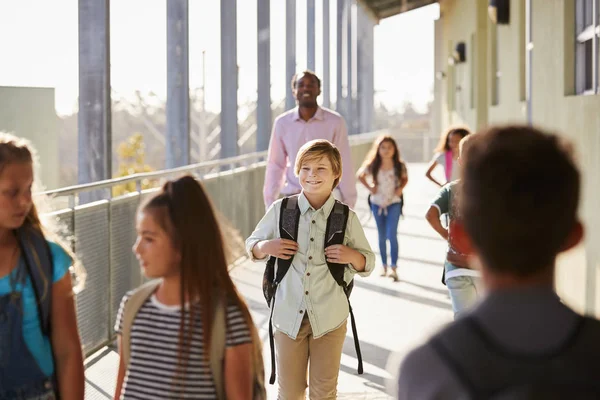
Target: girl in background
x=446 y=155
x=388 y=177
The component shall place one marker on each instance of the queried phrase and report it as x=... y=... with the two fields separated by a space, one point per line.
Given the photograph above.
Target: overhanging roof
x=387 y=8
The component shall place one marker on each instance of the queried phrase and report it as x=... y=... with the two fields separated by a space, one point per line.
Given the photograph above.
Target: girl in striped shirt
x=180 y=243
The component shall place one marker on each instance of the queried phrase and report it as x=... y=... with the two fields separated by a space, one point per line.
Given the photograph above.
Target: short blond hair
x=317 y=149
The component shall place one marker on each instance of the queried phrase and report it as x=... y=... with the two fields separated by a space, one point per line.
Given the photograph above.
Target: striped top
x=153 y=368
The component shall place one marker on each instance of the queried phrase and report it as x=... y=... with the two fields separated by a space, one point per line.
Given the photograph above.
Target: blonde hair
x=14 y=149
x=317 y=149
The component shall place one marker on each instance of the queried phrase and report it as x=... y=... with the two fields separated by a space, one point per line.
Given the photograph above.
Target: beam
x=290 y=51
x=326 y=84
x=94 y=117
x=229 y=79
x=178 y=78
x=263 y=106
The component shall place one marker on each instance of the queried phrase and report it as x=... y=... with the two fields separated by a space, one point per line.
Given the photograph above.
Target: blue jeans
x=387 y=227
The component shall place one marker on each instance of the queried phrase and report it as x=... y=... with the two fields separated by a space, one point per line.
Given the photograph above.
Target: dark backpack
x=489 y=371
x=288 y=229
x=39 y=266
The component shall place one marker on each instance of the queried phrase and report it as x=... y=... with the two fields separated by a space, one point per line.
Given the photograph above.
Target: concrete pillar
x=229 y=79
x=263 y=107
x=94 y=117
x=350 y=69
x=290 y=51
x=310 y=34
x=325 y=79
x=482 y=85
x=178 y=92
x=340 y=52
x=365 y=90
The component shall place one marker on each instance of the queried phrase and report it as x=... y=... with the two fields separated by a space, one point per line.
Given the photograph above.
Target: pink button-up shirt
x=290 y=132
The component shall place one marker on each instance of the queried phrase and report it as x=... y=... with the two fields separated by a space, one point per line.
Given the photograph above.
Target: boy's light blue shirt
x=308 y=285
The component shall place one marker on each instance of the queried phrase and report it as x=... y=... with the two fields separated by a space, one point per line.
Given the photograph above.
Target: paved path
x=391 y=317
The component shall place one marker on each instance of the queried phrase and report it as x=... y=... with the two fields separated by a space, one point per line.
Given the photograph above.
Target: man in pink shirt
x=295 y=127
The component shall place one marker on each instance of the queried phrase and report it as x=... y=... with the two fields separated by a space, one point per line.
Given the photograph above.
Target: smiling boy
x=310 y=308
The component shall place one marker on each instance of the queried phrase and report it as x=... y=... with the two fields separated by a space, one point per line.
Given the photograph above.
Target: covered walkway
x=392 y=317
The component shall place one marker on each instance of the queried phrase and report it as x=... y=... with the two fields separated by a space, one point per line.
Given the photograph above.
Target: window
x=587 y=32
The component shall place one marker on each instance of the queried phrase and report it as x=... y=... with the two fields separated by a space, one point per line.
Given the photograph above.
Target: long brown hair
x=183 y=209
x=14 y=150
x=372 y=162
x=444 y=143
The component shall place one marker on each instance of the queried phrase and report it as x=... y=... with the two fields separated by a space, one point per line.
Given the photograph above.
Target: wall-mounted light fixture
x=459 y=55
x=499 y=11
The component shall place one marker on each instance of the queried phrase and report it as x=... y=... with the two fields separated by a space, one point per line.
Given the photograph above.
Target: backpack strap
x=334 y=234
x=289 y=219
x=217 y=347
x=40 y=268
x=130 y=310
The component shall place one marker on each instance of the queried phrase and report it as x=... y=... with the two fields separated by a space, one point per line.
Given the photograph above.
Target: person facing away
x=292 y=129
x=311 y=309
x=463 y=281
x=519 y=195
x=38 y=359
x=446 y=155
x=179 y=242
x=388 y=176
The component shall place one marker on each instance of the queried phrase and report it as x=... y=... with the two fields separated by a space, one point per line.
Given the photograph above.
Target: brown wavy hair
x=372 y=162
x=444 y=143
x=183 y=209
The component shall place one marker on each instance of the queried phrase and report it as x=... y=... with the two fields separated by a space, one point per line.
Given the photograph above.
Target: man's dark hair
x=299 y=75
x=518 y=197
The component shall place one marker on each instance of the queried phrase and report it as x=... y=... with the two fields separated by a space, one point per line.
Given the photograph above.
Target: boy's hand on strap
x=280 y=248
x=340 y=254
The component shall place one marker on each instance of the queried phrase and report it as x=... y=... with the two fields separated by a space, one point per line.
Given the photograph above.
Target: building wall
x=29 y=112
x=554 y=106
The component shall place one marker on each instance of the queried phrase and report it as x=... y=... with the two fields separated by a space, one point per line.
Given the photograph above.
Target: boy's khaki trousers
x=294 y=356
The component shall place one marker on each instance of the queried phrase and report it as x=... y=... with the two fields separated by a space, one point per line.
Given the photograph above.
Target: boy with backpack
x=519 y=195
x=316 y=246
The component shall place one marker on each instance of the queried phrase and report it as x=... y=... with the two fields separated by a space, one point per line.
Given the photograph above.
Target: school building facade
x=535 y=61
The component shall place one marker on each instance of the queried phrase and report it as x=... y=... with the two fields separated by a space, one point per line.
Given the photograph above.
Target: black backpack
x=288 y=229
x=489 y=371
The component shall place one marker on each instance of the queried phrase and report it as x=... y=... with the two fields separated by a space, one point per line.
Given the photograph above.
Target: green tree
x=132 y=160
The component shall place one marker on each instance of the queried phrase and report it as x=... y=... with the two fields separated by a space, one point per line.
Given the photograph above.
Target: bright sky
x=40 y=39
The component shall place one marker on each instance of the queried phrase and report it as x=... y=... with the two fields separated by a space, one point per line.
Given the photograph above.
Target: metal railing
x=104 y=230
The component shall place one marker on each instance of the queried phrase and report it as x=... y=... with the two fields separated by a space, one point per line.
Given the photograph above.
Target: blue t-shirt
x=38 y=344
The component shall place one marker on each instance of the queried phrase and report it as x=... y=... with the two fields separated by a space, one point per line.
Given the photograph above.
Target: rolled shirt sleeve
x=356 y=239
x=265 y=230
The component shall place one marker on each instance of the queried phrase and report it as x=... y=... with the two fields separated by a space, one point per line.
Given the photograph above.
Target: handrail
x=252 y=157
x=108 y=183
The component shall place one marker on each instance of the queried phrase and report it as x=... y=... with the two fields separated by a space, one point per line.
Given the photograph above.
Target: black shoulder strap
x=289 y=218
x=40 y=268
x=334 y=234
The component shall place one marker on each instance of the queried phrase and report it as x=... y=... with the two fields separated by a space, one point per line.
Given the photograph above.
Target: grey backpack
x=489 y=371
